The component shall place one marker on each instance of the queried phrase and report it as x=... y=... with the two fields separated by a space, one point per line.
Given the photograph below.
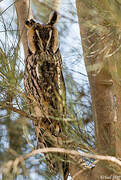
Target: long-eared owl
x=44 y=83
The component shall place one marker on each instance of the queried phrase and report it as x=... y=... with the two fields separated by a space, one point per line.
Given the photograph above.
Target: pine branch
x=18 y=111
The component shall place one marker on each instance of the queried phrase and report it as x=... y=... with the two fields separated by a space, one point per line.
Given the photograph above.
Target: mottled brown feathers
x=45 y=87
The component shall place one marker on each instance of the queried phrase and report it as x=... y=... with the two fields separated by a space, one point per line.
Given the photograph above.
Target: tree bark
x=104 y=81
x=23 y=13
x=55 y=4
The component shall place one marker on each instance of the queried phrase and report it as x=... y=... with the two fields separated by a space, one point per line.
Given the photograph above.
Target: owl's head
x=43 y=37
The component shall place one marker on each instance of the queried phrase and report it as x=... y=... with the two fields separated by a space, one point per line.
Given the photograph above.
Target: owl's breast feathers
x=44 y=83
x=44 y=80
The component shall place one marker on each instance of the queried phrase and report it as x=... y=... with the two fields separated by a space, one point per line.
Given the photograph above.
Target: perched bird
x=45 y=88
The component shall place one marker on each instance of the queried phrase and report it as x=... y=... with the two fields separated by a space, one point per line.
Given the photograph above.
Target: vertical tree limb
x=99 y=44
x=23 y=10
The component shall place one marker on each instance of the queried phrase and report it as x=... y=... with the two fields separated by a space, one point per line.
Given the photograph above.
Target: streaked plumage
x=44 y=85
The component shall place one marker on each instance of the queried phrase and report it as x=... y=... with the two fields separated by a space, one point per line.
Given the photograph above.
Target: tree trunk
x=23 y=13
x=101 y=60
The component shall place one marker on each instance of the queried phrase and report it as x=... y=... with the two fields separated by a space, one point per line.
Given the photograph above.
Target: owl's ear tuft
x=32 y=21
x=53 y=18
x=29 y=23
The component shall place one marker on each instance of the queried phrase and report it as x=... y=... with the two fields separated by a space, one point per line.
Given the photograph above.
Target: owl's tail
x=56 y=162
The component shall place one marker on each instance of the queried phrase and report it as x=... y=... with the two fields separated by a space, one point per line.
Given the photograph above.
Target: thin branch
x=20 y=112
x=60 y=150
x=7 y=8
x=75 y=153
